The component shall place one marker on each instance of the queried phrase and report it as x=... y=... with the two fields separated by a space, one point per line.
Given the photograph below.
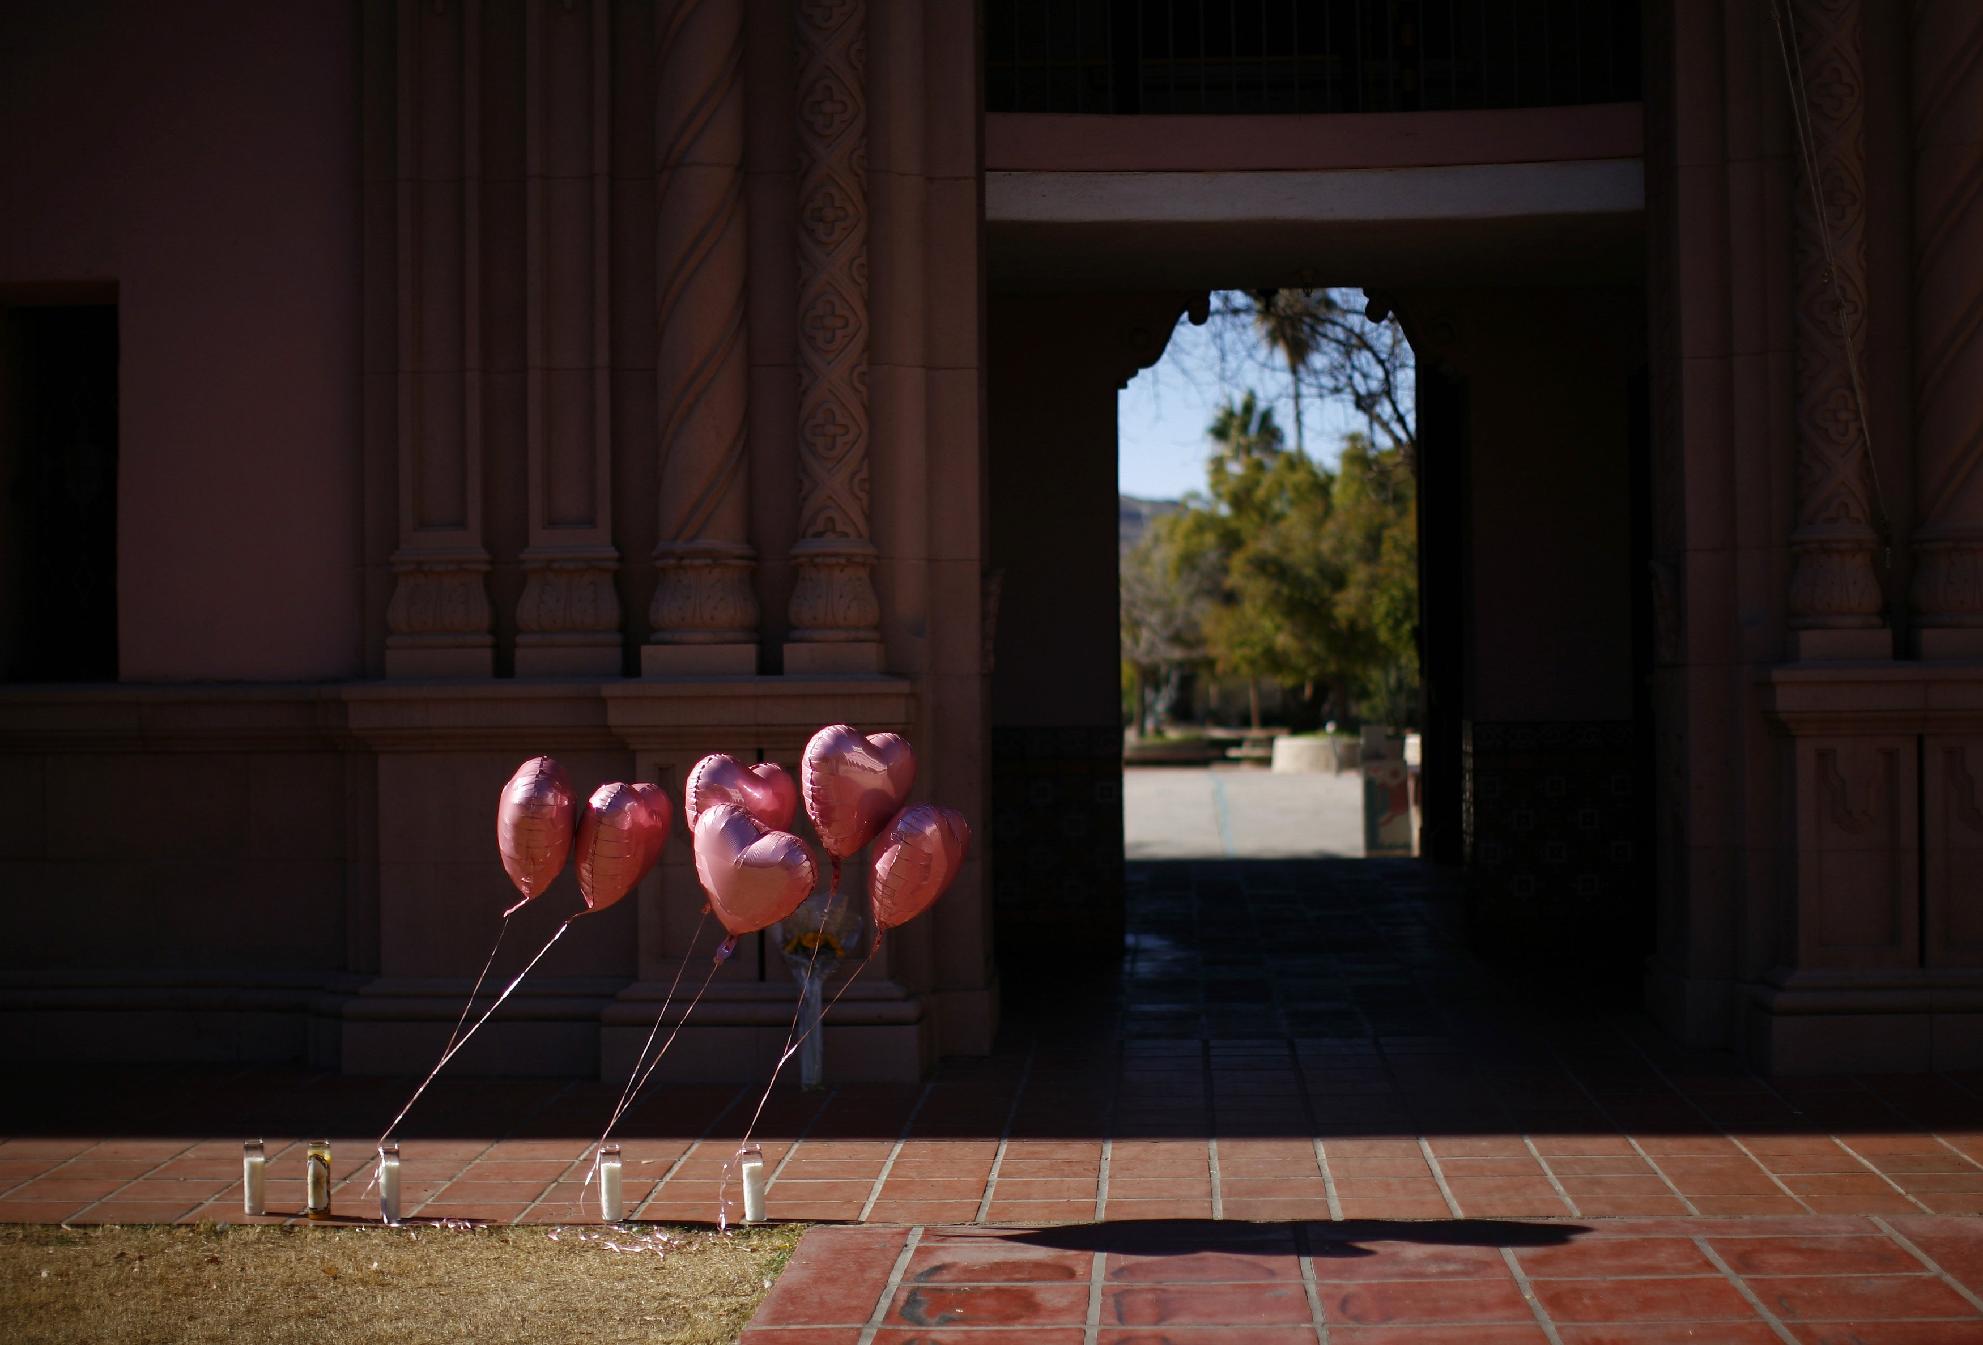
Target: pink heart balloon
x=619 y=837
x=921 y=852
x=663 y=809
x=534 y=822
x=765 y=791
x=754 y=876
x=853 y=785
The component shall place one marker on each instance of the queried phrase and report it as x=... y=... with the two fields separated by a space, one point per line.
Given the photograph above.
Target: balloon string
x=637 y=1078
x=450 y=1053
x=501 y=930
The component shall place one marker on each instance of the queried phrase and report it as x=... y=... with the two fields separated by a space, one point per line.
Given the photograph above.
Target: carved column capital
x=438 y=620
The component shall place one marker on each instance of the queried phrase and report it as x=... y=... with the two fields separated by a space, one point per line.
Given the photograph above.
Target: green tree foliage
x=1314 y=572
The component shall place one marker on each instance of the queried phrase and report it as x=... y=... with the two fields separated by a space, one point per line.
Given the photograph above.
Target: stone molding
x=568 y=617
x=833 y=597
x=1947 y=87
x=703 y=591
x=438 y=621
x=1834 y=585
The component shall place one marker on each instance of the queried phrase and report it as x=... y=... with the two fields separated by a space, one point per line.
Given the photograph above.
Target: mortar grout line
x=1873 y=1168
x=1328 y=1179
x=1755 y=1301
x=1439 y=1176
x=894 y=1282
x=1686 y=1201
x=1527 y=1292
x=1102 y=1181
x=1305 y=1260
x=1611 y=1119
x=1005 y=1134
x=1550 y=1173
x=805 y=1133
x=1212 y=1170
x=1907 y=1244
x=1091 y=1326
x=895 y=1151
x=416 y=1211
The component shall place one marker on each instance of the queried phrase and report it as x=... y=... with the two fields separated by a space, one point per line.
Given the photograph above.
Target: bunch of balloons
x=619 y=835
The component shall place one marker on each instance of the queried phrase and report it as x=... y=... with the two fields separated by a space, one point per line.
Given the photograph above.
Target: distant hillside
x=1134 y=515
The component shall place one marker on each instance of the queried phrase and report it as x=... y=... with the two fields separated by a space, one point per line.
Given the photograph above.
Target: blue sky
x=1161 y=416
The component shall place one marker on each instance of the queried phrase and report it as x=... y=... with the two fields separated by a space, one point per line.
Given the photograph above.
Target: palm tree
x=1286 y=321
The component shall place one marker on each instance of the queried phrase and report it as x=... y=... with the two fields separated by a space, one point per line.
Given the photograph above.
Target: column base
x=554 y=660
x=453 y=661
x=825 y=656
x=881 y=1036
x=1843 y=1024
x=698 y=660
x=1696 y=1010
x=1874 y=642
x=1949 y=642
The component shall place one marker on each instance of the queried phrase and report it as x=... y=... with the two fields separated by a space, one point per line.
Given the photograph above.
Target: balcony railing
x=1253 y=56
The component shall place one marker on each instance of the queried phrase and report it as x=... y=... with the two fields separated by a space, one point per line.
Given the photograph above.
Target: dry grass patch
x=274 y=1286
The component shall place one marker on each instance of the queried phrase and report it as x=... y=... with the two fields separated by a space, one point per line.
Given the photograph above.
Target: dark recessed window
x=58 y=493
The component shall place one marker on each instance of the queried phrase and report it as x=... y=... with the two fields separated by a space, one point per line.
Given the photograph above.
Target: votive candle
x=389 y=1184
x=611 y=1209
x=751 y=1164
x=317 y=1179
x=254 y=1178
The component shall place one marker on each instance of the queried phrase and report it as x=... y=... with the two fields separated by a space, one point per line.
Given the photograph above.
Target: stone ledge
x=1875 y=697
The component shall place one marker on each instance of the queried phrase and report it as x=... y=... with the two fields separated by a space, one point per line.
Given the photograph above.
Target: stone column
x=437 y=622
x=835 y=615
x=704 y=612
x=568 y=620
x=1948 y=338
x=1836 y=603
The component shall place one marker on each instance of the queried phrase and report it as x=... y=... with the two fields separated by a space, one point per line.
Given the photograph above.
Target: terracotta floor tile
x=1429 y=1301
x=1479 y=1146
x=1045 y=1188
x=1530 y=1334
x=917 y=1187
x=996 y=1263
x=1623 y=1164
x=1205 y=1305
x=1872 y=1202
x=1722 y=1206
x=1025 y=1335
x=801 y=1189
x=1523 y=1165
x=1041 y=1211
x=1608 y=1257
x=927 y=1305
x=1204 y=1335
x=922 y=1211
x=1267 y=1208
x=1887 y=1333
x=1189 y=1207
x=1613 y=1206
x=800 y=1335
x=1643 y=1300
x=78 y=1189
x=1580 y=1185
x=1362 y=1169
x=1861 y=1182
x=1395 y=1207
x=1200 y=1267
x=1670 y=1333
x=1549 y=1146
x=1357 y=1260
x=520 y=1169
x=1285 y=1188
x=1855 y=1297
x=1870 y=1255
x=835 y=1278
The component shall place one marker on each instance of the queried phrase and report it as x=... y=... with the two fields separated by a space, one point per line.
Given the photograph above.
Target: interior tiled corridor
x=1296 y=1085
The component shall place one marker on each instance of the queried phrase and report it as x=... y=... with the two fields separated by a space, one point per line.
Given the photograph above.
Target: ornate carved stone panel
x=1834 y=585
x=833 y=598
x=1952 y=835
x=568 y=619
x=1857 y=901
x=1948 y=335
x=438 y=620
x=704 y=612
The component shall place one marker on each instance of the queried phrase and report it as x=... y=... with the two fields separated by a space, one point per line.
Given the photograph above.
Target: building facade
x=393 y=391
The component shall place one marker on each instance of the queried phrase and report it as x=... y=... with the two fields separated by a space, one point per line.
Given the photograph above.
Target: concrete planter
x=1308 y=755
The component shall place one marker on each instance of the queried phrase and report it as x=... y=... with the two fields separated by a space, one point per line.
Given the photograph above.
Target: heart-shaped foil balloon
x=754 y=876
x=619 y=837
x=535 y=815
x=663 y=808
x=766 y=791
x=921 y=852
x=852 y=785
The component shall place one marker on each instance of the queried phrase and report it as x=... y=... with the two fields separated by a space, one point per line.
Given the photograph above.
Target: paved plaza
x=1296 y=1110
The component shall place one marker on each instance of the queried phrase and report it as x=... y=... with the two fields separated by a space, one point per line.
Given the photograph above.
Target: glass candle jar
x=750 y=1163
x=611 y=1208
x=317 y=1179
x=389 y=1184
x=254 y=1178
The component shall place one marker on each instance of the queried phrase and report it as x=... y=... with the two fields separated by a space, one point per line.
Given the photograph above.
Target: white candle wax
x=611 y=1206
x=754 y=1182
x=254 y=1178
x=317 y=1179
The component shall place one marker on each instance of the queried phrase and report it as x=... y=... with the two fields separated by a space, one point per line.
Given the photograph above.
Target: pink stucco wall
x=216 y=190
